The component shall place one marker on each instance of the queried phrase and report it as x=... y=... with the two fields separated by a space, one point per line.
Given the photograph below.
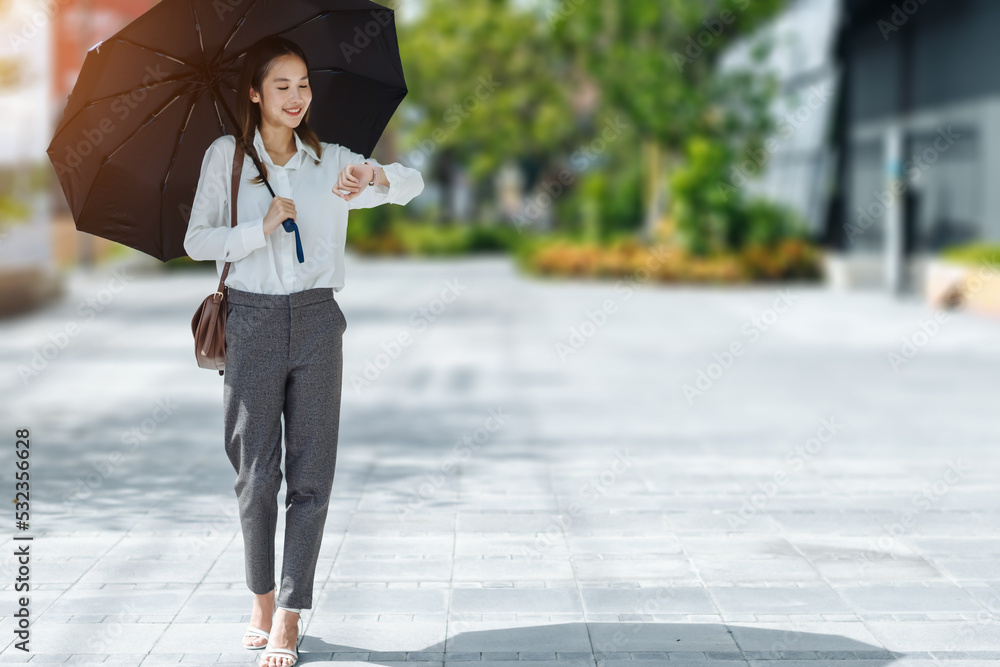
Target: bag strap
x=233 y=194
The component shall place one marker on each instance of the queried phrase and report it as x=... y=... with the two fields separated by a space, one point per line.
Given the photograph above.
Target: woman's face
x=285 y=88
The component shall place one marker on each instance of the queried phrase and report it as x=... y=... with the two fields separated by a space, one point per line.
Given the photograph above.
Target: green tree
x=657 y=61
x=485 y=84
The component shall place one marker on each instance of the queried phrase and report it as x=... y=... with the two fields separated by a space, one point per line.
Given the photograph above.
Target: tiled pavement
x=810 y=506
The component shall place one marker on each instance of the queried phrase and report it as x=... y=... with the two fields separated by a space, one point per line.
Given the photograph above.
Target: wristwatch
x=374 y=173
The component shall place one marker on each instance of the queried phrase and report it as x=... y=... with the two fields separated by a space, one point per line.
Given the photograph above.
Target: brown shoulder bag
x=209 y=322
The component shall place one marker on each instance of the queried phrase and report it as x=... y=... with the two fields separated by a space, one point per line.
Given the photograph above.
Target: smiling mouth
x=294 y=112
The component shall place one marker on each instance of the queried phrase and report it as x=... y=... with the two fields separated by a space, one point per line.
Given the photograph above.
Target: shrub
x=710 y=217
x=13 y=211
x=973 y=253
x=788 y=259
x=766 y=223
x=402 y=237
x=701 y=208
x=185 y=263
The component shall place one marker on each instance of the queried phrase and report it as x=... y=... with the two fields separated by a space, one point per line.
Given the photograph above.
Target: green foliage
x=433 y=239
x=702 y=208
x=766 y=223
x=593 y=190
x=981 y=253
x=503 y=79
x=712 y=216
x=365 y=223
x=185 y=263
x=12 y=210
x=603 y=200
x=657 y=62
x=615 y=197
x=487 y=81
x=491 y=238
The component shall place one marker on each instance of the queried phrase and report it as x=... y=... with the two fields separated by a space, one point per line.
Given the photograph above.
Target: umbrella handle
x=290 y=226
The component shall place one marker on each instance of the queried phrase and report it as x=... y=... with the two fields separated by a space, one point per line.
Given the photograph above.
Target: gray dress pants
x=284 y=356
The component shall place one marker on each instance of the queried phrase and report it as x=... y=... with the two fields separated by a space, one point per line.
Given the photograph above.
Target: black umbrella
x=150 y=100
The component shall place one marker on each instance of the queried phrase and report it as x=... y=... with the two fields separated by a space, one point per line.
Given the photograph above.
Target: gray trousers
x=284 y=356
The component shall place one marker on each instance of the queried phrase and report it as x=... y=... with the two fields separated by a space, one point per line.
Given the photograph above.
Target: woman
x=284 y=327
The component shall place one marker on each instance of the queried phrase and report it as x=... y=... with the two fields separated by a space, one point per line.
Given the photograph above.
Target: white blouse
x=267 y=263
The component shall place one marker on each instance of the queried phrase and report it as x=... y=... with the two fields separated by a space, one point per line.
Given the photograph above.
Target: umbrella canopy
x=150 y=100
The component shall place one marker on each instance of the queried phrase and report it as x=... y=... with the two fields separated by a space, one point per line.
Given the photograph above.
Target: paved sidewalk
x=708 y=477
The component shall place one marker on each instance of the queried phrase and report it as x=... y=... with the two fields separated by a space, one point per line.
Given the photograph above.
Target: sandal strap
x=268 y=650
x=257 y=632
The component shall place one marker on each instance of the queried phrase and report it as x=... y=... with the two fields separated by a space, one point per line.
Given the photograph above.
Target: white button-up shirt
x=267 y=263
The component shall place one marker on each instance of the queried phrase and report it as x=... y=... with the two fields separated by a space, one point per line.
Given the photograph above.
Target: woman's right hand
x=281 y=209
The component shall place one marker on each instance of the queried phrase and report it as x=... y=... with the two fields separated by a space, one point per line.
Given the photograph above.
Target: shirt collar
x=300 y=146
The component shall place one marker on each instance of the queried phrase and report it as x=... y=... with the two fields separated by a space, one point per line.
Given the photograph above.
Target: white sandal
x=282 y=652
x=256 y=632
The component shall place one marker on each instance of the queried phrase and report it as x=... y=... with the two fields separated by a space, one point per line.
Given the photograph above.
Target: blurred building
x=79 y=25
x=40 y=59
x=27 y=272
x=897 y=162
x=920 y=103
x=798 y=161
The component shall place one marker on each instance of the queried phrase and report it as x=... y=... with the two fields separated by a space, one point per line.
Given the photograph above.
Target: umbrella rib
x=124 y=40
x=307 y=21
x=136 y=131
x=340 y=70
x=127 y=140
x=201 y=42
x=215 y=103
x=186 y=77
x=323 y=14
x=286 y=30
x=232 y=34
x=170 y=168
x=217 y=95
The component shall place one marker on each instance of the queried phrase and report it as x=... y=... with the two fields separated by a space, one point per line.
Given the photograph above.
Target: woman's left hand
x=354 y=178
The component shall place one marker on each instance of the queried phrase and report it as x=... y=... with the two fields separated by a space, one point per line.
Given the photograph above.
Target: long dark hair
x=256 y=64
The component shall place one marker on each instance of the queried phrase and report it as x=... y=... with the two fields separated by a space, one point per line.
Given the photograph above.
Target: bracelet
x=374 y=180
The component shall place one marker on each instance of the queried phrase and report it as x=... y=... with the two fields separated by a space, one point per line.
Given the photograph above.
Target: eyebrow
x=285 y=79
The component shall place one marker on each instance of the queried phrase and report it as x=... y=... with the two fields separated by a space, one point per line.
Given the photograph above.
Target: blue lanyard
x=290 y=226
